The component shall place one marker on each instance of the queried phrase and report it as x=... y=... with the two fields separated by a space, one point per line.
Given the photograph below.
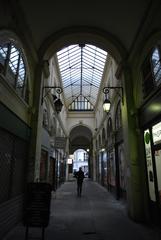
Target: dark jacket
x=80 y=176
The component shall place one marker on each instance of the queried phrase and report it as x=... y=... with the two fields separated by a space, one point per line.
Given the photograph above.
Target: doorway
x=152 y=143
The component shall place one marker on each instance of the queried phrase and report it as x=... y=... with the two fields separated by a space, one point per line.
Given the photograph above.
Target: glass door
x=149 y=165
x=156 y=133
x=158 y=172
x=152 y=142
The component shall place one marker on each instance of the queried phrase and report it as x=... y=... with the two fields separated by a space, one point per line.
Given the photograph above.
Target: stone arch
x=77 y=125
x=82 y=34
x=80 y=137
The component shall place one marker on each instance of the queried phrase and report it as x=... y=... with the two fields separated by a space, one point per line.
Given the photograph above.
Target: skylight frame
x=81 y=68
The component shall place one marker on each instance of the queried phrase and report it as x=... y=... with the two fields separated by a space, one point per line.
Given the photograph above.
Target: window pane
x=156 y=65
x=13 y=62
x=21 y=74
x=83 y=66
x=3 y=53
x=15 y=73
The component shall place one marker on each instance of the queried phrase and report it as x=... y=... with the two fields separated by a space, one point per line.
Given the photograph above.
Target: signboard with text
x=60 y=142
x=37 y=205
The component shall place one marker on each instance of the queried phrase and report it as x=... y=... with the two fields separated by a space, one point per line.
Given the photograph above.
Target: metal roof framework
x=81 y=69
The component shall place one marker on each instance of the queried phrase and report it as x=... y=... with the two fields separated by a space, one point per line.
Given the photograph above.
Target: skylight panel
x=81 y=69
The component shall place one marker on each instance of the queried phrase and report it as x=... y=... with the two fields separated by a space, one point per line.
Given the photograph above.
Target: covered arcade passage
x=58 y=65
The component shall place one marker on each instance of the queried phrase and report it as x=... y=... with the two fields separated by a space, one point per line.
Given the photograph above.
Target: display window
x=152 y=142
x=149 y=164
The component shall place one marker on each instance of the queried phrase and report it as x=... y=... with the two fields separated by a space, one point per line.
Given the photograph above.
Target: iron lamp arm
x=58 y=90
x=106 y=91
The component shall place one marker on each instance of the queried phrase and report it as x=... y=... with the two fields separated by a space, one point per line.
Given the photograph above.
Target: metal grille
x=12 y=165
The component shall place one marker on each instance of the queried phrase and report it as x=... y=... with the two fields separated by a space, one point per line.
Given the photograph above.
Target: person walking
x=80 y=177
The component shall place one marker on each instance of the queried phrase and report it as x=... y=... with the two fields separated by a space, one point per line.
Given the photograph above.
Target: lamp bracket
x=106 y=90
x=58 y=89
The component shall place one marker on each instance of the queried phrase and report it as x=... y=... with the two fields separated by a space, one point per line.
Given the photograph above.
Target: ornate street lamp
x=107 y=103
x=58 y=105
x=57 y=102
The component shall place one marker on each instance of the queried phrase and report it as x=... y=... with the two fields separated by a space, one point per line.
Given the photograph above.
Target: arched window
x=118 y=119
x=151 y=70
x=13 y=68
x=156 y=65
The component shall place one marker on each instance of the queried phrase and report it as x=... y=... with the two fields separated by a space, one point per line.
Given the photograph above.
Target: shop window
x=151 y=70
x=13 y=68
x=156 y=130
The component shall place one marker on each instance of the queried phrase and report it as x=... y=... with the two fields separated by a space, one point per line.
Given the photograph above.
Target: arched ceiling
x=121 y=19
x=80 y=137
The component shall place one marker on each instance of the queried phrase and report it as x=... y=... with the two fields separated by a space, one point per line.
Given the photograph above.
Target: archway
x=80 y=137
x=79 y=35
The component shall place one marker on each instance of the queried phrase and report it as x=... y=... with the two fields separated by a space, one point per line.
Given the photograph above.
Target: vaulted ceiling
x=80 y=137
x=122 y=19
x=81 y=72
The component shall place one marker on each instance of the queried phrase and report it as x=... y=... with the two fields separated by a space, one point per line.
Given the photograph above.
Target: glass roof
x=81 y=68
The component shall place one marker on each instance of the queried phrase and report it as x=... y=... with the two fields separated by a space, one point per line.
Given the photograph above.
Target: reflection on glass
x=156 y=131
x=149 y=164
x=158 y=167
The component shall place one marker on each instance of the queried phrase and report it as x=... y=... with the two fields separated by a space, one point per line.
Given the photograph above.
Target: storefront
x=150 y=123
x=152 y=141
